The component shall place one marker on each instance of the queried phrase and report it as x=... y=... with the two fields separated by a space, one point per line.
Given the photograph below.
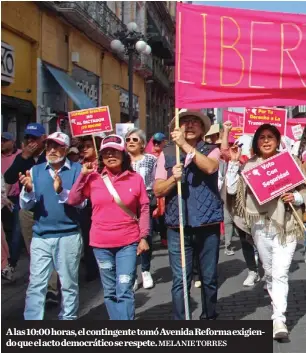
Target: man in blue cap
x=33 y=153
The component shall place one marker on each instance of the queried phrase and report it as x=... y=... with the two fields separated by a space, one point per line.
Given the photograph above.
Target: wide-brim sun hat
x=202 y=117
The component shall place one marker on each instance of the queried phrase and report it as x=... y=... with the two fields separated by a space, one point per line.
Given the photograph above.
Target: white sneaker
x=280 y=330
x=252 y=278
x=136 y=286
x=229 y=251
x=147 y=280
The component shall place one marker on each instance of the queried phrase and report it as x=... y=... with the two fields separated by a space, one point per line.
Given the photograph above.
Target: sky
x=278 y=6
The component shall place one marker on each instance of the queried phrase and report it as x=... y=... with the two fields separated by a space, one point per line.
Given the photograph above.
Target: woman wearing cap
x=119 y=227
x=143 y=164
x=273 y=226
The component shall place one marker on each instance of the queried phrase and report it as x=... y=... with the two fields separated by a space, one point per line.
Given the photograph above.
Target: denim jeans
x=61 y=253
x=118 y=272
x=205 y=242
x=12 y=230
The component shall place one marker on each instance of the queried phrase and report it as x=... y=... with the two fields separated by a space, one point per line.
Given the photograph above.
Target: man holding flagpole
x=202 y=209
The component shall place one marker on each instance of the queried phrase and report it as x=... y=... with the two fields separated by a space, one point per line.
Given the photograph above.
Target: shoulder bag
x=113 y=192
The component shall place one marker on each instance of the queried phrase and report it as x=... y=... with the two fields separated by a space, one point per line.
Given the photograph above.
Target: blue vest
x=201 y=199
x=50 y=216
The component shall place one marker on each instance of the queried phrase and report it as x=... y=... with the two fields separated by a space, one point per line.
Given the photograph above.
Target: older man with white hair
x=57 y=242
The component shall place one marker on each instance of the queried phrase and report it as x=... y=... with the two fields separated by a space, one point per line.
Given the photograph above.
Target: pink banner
x=295 y=128
x=273 y=177
x=255 y=117
x=237 y=120
x=90 y=121
x=242 y=58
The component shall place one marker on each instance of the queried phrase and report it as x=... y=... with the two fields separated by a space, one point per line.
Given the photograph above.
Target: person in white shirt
x=272 y=225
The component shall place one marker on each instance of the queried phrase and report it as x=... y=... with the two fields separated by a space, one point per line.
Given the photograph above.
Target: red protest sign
x=90 y=121
x=273 y=177
x=237 y=120
x=255 y=117
x=237 y=57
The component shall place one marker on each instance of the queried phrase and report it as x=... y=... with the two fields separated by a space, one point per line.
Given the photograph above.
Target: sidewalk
x=235 y=301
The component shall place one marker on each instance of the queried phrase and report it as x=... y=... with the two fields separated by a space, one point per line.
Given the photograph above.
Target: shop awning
x=71 y=88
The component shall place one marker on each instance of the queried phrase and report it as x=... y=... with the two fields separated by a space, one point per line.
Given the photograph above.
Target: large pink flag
x=232 y=57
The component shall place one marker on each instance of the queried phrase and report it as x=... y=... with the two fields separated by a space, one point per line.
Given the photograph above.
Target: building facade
x=57 y=58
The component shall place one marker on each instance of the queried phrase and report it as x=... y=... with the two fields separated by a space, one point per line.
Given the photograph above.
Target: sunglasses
x=156 y=142
x=132 y=139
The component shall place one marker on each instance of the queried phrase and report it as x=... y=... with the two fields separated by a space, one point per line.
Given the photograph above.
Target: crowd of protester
x=102 y=200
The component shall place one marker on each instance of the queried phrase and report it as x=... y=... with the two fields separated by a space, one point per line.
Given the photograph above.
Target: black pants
x=89 y=257
x=248 y=251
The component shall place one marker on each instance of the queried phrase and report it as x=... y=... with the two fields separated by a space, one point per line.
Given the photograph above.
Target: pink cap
x=60 y=138
x=112 y=141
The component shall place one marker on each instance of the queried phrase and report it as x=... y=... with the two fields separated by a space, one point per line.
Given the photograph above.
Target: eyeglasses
x=156 y=142
x=134 y=139
x=192 y=121
x=56 y=146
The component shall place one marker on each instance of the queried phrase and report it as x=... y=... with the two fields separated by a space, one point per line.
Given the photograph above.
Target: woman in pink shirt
x=117 y=237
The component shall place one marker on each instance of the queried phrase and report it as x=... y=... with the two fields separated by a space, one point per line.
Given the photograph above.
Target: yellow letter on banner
x=232 y=46
x=255 y=49
x=288 y=50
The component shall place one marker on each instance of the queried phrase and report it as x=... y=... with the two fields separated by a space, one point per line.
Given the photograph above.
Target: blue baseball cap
x=7 y=136
x=159 y=136
x=35 y=129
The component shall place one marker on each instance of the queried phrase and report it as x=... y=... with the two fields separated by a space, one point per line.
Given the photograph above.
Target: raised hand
x=26 y=181
x=235 y=153
x=57 y=184
x=227 y=126
x=87 y=168
x=178 y=136
x=29 y=150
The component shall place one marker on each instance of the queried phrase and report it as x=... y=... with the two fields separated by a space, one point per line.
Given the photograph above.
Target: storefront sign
x=273 y=177
x=88 y=82
x=7 y=63
x=124 y=103
x=237 y=120
x=90 y=121
x=255 y=117
x=122 y=129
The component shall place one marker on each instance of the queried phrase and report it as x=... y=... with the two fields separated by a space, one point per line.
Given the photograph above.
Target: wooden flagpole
x=182 y=239
x=95 y=146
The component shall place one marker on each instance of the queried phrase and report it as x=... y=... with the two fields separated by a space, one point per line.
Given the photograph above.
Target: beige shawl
x=274 y=212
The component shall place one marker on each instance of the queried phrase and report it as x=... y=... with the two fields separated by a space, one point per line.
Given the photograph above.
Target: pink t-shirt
x=6 y=162
x=111 y=227
x=161 y=172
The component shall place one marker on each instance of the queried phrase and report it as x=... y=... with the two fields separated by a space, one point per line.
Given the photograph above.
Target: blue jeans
x=204 y=241
x=118 y=272
x=12 y=229
x=61 y=253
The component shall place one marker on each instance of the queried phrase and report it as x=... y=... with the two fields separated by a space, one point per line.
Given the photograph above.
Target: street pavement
x=235 y=301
